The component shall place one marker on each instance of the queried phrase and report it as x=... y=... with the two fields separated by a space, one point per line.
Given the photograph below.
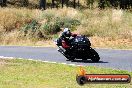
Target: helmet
x=66 y=33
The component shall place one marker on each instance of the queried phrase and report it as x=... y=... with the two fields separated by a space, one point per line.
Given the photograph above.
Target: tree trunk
x=78 y=3
x=24 y=3
x=67 y=2
x=3 y=3
x=74 y=3
x=102 y=4
x=42 y=4
x=62 y=2
x=53 y=4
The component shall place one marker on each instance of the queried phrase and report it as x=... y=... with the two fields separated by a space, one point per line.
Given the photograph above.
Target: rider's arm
x=59 y=40
x=64 y=45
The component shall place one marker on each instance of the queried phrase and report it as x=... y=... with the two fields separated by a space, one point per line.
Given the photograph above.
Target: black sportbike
x=80 y=49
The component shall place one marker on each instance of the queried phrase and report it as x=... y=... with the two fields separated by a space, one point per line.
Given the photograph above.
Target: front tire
x=70 y=58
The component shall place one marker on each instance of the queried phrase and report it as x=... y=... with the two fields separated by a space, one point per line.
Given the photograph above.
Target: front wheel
x=94 y=55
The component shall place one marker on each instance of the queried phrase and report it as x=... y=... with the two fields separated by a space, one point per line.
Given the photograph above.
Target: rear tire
x=94 y=55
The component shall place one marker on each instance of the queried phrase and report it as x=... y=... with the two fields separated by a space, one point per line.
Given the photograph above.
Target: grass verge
x=16 y=73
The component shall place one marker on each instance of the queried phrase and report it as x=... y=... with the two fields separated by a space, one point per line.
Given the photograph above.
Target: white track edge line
x=41 y=61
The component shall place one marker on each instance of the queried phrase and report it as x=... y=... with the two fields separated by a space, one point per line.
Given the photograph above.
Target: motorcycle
x=80 y=49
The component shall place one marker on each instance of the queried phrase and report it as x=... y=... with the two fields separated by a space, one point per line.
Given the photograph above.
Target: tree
x=78 y=3
x=74 y=3
x=24 y=3
x=101 y=4
x=3 y=3
x=53 y=3
x=67 y=2
x=62 y=3
x=130 y=1
x=124 y=4
x=90 y=3
x=42 y=4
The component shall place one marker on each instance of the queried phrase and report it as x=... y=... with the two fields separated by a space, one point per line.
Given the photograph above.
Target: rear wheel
x=66 y=55
x=94 y=55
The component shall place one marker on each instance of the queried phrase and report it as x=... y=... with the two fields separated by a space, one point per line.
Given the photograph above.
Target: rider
x=65 y=38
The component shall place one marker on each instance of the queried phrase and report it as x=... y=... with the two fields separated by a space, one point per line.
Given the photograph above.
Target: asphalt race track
x=115 y=59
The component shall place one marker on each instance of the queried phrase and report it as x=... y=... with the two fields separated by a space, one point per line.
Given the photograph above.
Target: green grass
x=17 y=73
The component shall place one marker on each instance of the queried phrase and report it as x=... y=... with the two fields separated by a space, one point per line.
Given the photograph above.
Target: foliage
x=32 y=30
x=108 y=23
x=50 y=28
